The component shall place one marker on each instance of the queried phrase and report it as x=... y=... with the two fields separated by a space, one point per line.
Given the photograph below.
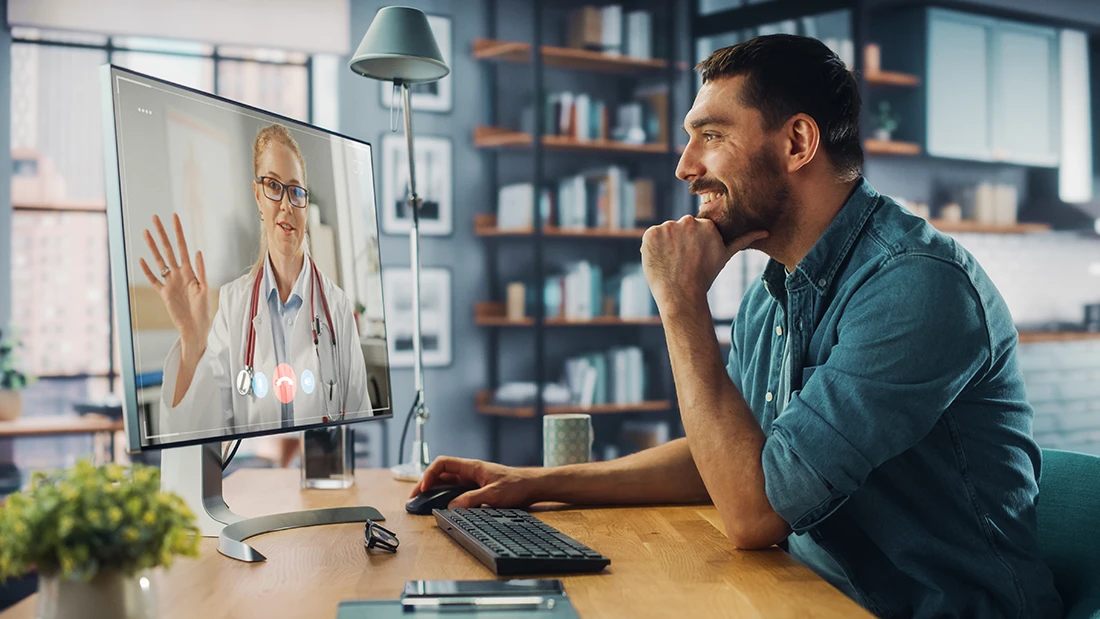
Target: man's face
x=733 y=163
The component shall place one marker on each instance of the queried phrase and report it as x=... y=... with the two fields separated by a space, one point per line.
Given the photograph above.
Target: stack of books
x=582 y=294
x=606 y=29
x=617 y=376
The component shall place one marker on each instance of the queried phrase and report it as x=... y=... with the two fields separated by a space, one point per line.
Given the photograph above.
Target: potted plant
x=93 y=534
x=884 y=122
x=12 y=379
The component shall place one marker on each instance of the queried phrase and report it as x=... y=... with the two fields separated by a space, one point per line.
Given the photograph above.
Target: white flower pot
x=11 y=404
x=109 y=595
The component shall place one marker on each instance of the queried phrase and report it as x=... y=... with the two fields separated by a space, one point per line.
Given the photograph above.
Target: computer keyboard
x=512 y=541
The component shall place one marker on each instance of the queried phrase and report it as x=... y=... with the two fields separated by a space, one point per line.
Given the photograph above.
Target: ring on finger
x=164 y=271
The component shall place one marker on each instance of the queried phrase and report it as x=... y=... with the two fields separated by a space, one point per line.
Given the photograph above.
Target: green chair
x=1069 y=528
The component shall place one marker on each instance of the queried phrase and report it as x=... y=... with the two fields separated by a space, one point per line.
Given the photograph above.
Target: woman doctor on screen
x=283 y=349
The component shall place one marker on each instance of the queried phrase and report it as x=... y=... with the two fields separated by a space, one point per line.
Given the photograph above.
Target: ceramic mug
x=566 y=439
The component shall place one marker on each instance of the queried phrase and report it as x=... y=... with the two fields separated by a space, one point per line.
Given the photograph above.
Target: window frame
x=110 y=48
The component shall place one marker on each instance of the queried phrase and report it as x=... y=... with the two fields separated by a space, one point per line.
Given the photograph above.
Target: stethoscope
x=244 y=377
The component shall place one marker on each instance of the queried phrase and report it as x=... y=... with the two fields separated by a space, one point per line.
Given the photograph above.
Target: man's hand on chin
x=680 y=259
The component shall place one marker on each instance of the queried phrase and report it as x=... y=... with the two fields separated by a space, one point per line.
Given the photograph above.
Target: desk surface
x=66 y=424
x=665 y=561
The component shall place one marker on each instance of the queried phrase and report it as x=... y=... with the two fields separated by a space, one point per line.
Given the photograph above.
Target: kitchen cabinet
x=993 y=89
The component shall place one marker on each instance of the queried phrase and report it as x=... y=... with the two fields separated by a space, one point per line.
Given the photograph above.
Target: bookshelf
x=525 y=139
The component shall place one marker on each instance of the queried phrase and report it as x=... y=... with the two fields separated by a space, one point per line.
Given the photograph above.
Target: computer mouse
x=436 y=497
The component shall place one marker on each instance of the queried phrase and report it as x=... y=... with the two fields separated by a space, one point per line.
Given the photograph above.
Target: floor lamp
x=399 y=47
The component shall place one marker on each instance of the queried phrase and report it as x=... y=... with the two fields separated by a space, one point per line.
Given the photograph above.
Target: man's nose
x=690 y=165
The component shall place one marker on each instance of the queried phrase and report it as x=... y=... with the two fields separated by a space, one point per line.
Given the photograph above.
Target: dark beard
x=759 y=203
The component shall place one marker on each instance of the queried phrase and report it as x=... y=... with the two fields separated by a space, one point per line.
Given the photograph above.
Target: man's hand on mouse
x=681 y=259
x=500 y=486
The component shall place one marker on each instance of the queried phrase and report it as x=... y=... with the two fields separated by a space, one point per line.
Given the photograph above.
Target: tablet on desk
x=450 y=588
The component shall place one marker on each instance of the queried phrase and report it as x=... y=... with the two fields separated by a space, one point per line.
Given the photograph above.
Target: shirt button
x=290 y=321
x=821 y=282
x=768 y=396
x=779 y=331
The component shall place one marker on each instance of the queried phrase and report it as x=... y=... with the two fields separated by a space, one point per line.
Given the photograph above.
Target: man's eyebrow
x=707 y=120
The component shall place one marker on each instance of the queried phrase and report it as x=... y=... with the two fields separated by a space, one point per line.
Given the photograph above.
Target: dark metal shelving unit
x=537 y=236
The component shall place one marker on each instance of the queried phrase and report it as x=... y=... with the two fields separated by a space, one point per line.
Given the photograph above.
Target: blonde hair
x=264 y=139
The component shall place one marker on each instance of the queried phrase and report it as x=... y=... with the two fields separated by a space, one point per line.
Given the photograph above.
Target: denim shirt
x=903 y=460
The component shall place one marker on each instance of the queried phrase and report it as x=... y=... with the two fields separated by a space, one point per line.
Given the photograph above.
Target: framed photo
x=435 y=315
x=435 y=96
x=433 y=182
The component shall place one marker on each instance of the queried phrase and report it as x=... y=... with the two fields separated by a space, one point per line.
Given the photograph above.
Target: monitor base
x=195 y=473
x=406 y=472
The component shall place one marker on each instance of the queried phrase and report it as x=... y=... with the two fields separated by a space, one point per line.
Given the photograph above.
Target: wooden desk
x=665 y=562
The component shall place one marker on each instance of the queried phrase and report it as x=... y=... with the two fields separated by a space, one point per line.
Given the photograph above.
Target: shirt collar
x=825 y=257
x=299 y=288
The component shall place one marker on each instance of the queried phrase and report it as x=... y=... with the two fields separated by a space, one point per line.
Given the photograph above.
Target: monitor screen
x=245 y=264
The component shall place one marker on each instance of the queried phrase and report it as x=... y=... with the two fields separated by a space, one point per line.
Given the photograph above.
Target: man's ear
x=803 y=138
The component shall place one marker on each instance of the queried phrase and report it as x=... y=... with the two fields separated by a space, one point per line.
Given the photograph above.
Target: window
x=60 y=278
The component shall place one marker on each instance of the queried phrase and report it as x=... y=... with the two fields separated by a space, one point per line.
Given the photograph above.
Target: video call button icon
x=284 y=383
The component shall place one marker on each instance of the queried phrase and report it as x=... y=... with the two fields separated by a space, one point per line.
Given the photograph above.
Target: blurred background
x=980 y=115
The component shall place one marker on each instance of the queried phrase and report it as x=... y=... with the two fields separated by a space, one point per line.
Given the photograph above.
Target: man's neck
x=286 y=270
x=814 y=208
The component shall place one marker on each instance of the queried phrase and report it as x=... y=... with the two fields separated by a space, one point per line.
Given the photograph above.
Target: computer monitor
x=246 y=274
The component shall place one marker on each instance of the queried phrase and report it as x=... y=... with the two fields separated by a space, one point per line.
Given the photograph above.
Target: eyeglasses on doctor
x=378 y=536
x=273 y=189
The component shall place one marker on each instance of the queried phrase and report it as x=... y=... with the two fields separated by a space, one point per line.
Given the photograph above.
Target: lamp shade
x=399 y=46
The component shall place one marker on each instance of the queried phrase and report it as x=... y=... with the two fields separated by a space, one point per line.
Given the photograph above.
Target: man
x=872 y=414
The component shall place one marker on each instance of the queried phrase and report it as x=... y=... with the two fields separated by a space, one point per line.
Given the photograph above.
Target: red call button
x=284 y=383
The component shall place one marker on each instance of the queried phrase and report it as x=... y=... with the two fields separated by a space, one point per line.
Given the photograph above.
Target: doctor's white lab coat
x=212 y=407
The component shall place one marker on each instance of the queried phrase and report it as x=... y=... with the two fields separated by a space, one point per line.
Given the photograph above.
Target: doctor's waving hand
x=283 y=349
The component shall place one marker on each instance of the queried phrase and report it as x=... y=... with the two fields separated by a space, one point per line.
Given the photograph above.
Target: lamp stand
x=414 y=470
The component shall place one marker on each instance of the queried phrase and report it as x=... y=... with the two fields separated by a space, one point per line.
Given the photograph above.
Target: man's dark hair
x=786 y=75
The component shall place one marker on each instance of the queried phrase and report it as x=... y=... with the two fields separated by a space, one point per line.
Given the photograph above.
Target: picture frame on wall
x=434 y=96
x=435 y=315
x=434 y=184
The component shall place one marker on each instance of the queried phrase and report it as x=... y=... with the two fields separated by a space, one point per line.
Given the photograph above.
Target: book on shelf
x=609 y=30
x=617 y=376
x=582 y=293
x=583 y=118
x=516 y=206
x=638 y=35
x=601 y=198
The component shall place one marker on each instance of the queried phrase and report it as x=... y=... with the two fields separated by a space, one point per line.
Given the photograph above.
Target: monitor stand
x=195 y=473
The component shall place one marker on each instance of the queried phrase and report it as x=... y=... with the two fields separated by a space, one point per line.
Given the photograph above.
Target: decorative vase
x=11 y=404
x=109 y=595
x=881 y=134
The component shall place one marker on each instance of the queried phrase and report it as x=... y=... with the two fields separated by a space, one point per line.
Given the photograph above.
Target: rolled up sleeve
x=910 y=340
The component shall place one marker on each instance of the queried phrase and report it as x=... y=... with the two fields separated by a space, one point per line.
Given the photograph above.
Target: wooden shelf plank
x=890 y=147
x=483 y=401
x=1039 y=337
x=590 y=233
x=493 y=314
x=891 y=78
x=566 y=57
x=54 y=426
x=602 y=321
x=984 y=228
x=498 y=137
